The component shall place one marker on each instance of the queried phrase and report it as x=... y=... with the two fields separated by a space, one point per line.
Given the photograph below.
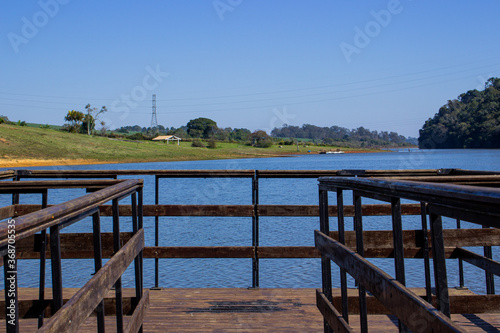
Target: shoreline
x=36 y=162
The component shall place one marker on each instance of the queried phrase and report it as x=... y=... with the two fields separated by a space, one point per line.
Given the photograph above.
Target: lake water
x=274 y=231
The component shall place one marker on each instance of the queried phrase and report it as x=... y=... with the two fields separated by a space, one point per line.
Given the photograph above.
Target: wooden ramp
x=247 y=310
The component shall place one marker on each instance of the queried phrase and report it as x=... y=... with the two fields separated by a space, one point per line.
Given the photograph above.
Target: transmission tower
x=154 y=120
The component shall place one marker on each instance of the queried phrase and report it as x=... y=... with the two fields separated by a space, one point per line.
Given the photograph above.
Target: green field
x=25 y=142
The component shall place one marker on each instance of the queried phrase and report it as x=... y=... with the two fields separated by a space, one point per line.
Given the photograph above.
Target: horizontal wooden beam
x=477 y=260
x=43 y=185
x=382 y=239
x=32 y=223
x=466 y=303
x=275 y=252
x=195 y=210
x=239 y=210
x=73 y=245
x=377 y=244
x=407 y=306
x=7 y=174
x=162 y=173
x=7 y=212
x=198 y=252
x=241 y=173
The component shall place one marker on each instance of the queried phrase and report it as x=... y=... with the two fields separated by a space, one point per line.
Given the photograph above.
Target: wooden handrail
x=80 y=306
x=30 y=224
x=411 y=309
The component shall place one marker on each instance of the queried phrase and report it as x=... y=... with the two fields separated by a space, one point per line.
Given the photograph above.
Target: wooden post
x=427 y=265
x=439 y=261
x=55 y=257
x=118 y=283
x=326 y=266
x=358 y=227
x=96 y=228
x=343 y=274
x=43 y=248
x=157 y=229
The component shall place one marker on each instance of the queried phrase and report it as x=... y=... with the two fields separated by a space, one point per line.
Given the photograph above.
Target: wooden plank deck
x=246 y=310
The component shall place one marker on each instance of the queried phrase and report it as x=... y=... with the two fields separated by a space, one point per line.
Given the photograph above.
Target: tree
x=74 y=118
x=92 y=116
x=261 y=139
x=240 y=134
x=201 y=128
x=470 y=121
x=4 y=120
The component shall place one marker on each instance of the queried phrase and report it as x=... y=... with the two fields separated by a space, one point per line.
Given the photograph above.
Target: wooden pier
x=247 y=310
x=379 y=303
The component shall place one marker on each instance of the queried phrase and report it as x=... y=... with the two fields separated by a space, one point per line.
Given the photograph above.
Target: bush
x=138 y=136
x=197 y=143
x=264 y=143
x=212 y=144
x=114 y=135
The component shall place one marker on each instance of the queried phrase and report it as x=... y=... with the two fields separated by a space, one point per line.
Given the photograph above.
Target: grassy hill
x=19 y=143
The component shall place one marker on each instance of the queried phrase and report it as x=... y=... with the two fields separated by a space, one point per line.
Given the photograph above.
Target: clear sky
x=386 y=65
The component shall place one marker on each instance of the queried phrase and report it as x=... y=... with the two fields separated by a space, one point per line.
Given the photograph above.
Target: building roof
x=166 y=137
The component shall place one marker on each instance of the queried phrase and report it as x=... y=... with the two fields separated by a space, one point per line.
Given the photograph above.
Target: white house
x=167 y=138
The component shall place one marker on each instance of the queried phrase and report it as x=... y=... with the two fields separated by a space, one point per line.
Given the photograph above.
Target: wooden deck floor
x=244 y=310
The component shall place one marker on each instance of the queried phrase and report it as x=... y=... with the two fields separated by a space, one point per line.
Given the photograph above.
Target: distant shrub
x=21 y=123
x=46 y=126
x=138 y=136
x=264 y=144
x=197 y=143
x=114 y=135
x=212 y=144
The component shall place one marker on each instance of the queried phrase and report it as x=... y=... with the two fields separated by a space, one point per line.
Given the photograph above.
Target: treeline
x=470 y=121
x=204 y=128
x=199 y=128
x=341 y=136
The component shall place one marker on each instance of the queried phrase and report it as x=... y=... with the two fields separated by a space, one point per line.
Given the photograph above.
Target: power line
x=154 y=120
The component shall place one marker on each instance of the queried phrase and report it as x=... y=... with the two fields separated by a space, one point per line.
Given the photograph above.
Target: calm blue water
x=203 y=231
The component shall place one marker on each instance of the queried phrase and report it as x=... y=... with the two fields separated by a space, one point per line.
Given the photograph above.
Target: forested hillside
x=359 y=137
x=470 y=121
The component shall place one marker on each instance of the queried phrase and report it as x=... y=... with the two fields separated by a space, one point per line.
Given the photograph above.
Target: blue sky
x=385 y=65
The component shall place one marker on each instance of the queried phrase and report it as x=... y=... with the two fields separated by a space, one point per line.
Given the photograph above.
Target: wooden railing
x=254 y=210
x=474 y=204
x=376 y=244
x=13 y=232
